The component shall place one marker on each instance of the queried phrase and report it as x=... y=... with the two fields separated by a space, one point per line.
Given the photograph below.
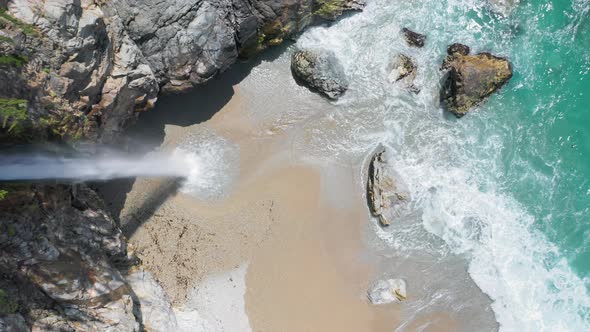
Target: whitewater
x=484 y=188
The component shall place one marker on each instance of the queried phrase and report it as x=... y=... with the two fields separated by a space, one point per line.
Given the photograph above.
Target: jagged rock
x=62 y=256
x=413 y=38
x=92 y=66
x=458 y=49
x=471 y=78
x=332 y=9
x=388 y=291
x=13 y=323
x=403 y=70
x=384 y=196
x=320 y=71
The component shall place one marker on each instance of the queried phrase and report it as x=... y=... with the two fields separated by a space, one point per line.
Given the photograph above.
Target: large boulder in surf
x=471 y=78
x=384 y=196
x=320 y=71
x=388 y=291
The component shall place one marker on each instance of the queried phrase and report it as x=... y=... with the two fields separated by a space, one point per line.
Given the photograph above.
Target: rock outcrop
x=413 y=38
x=384 y=197
x=471 y=78
x=320 y=71
x=60 y=255
x=87 y=68
x=388 y=291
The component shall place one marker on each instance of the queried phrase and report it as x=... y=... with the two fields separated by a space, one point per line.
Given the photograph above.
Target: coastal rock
x=471 y=78
x=384 y=196
x=87 y=69
x=413 y=38
x=403 y=70
x=321 y=71
x=13 y=323
x=388 y=291
x=60 y=260
x=332 y=9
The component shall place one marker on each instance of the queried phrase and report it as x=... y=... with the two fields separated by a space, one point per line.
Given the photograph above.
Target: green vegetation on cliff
x=3 y=194
x=329 y=9
x=6 y=18
x=13 y=113
x=13 y=60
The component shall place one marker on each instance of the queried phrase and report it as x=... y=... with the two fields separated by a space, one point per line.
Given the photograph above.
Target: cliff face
x=87 y=67
x=60 y=257
x=84 y=69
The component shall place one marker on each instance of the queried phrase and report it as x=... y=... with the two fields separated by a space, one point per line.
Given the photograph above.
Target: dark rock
x=384 y=197
x=413 y=38
x=320 y=71
x=458 y=48
x=471 y=78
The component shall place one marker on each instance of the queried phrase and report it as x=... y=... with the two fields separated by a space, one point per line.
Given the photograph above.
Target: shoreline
x=283 y=180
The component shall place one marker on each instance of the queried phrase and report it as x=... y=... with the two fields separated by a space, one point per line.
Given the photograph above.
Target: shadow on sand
x=193 y=107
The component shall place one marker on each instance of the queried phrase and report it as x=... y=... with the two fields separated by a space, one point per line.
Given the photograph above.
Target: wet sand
x=306 y=267
x=299 y=227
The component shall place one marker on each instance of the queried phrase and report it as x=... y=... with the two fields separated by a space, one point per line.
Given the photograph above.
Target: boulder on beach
x=388 y=291
x=403 y=70
x=471 y=78
x=384 y=196
x=413 y=38
x=320 y=71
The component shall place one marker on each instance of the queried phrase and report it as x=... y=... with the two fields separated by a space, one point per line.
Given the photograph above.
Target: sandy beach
x=306 y=270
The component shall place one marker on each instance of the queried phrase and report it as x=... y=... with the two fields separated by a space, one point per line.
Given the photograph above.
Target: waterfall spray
x=178 y=163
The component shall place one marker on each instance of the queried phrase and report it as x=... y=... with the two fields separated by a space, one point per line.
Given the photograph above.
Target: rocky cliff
x=83 y=70
x=86 y=68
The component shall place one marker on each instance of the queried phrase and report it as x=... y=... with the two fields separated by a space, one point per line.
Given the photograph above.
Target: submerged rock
x=413 y=38
x=471 y=78
x=385 y=198
x=503 y=7
x=388 y=291
x=320 y=71
x=403 y=70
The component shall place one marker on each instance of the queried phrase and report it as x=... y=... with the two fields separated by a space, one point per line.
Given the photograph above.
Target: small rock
x=403 y=69
x=388 y=291
x=458 y=48
x=413 y=38
x=385 y=199
x=471 y=78
x=320 y=71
